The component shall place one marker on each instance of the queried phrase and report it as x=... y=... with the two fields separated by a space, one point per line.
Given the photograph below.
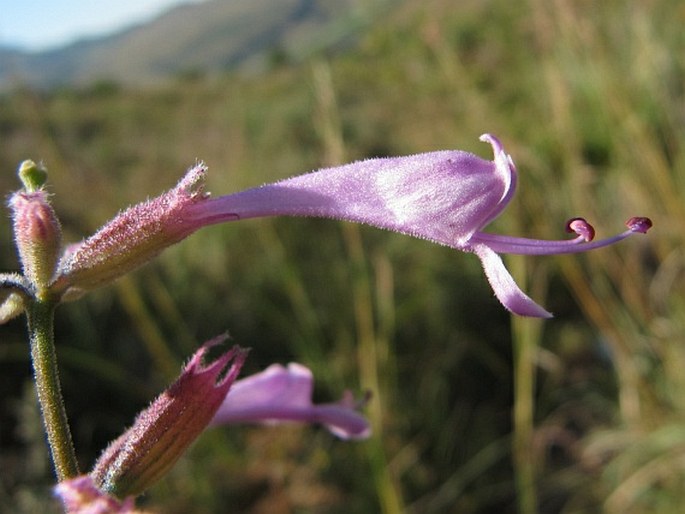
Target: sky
x=42 y=24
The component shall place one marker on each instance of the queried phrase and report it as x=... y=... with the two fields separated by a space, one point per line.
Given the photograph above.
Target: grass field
x=473 y=411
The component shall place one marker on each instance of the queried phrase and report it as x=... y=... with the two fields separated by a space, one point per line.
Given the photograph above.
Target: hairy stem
x=40 y=315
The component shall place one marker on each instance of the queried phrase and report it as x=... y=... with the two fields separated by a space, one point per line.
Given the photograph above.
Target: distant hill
x=207 y=37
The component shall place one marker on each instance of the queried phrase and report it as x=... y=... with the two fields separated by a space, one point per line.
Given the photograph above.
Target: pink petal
x=504 y=286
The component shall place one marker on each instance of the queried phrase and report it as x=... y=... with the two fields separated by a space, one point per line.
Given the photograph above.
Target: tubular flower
x=207 y=395
x=285 y=394
x=446 y=197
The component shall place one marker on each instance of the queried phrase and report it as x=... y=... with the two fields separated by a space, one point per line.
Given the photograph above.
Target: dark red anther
x=581 y=227
x=639 y=224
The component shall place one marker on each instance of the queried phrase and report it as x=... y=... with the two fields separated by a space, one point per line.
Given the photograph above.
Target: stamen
x=525 y=246
x=585 y=231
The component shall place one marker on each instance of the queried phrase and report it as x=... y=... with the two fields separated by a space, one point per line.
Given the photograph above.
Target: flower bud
x=11 y=306
x=163 y=431
x=14 y=290
x=32 y=176
x=38 y=235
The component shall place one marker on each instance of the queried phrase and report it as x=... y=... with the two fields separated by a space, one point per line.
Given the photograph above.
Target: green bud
x=32 y=175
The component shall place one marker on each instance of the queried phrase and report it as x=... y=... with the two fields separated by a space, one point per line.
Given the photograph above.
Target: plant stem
x=40 y=315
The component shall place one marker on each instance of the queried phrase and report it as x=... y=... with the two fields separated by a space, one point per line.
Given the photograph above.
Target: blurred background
x=473 y=411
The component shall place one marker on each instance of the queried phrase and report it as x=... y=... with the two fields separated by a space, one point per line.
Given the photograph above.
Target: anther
x=639 y=224
x=581 y=227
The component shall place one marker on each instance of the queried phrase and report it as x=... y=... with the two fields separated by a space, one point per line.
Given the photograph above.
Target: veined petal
x=280 y=394
x=504 y=286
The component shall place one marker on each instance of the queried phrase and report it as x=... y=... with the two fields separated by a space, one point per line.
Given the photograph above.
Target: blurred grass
x=589 y=100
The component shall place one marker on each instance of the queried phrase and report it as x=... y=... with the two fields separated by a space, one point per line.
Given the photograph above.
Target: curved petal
x=506 y=170
x=504 y=286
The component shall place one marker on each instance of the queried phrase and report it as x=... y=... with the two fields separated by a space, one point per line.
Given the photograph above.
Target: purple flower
x=285 y=394
x=447 y=197
x=206 y=395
